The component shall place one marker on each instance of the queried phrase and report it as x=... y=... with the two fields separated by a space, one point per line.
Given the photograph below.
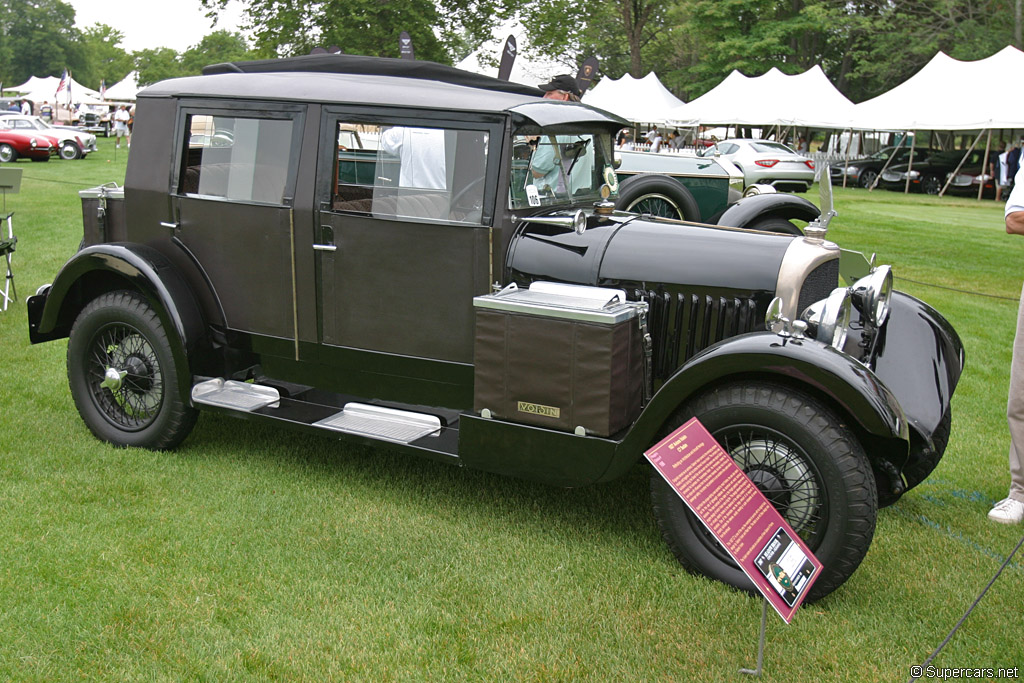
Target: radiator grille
x=682 y=324
x=819 y=284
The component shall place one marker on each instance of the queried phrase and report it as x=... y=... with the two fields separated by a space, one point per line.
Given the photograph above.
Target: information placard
x=739 y=516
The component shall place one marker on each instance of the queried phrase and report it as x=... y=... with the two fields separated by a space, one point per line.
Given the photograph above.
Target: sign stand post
x=760 y=643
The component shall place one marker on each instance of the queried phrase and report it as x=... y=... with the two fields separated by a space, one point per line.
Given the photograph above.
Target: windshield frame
x=580 y=159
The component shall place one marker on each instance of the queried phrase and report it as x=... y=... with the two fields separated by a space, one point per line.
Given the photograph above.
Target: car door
x=233 y=211
x=404 y=243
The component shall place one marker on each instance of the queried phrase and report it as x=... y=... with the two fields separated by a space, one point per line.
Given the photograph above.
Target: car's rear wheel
x=122 y=374
x=931 y=184
x=774 y=224
x=806 y=462
x=867 y=178
x=657 y=195
x=8 y=153
x=70 y=150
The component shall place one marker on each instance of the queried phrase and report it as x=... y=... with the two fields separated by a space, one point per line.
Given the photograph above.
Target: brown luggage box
x=561 y=356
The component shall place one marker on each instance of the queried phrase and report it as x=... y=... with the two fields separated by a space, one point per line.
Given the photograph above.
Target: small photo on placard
x=785 y=565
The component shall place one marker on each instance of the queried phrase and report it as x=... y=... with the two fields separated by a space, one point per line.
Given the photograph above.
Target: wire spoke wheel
x=132 y=401
x=803 y=459
x=656 y=205
x=121 y=370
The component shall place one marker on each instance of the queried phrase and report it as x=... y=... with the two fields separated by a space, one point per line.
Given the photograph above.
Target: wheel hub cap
x=112 y=379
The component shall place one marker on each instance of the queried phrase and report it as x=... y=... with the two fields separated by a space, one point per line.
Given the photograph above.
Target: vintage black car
x=404 y=254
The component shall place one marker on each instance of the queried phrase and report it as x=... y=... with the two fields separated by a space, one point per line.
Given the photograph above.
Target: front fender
x=854 y=390
x=779 y=205
x=106 y=267
x=921 y=357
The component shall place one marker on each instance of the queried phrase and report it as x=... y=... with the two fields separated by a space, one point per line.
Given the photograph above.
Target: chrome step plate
x=387 y=424
x=234 y=395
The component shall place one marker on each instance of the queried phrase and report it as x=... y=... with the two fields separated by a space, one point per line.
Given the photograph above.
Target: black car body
x=863 y=172
x=930 y=175
x=264 y=264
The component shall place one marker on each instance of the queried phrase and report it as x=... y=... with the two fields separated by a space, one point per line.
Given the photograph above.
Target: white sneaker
x=1007 y=511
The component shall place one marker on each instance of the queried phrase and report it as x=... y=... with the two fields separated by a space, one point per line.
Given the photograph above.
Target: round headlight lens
x=834 y=319
x=871 y=295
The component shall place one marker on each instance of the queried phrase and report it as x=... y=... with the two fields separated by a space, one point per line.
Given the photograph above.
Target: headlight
x=853 y=171
x=913 y=175
x=831 y=317
x=962 y=179
x=871 y=295
x=32 y=142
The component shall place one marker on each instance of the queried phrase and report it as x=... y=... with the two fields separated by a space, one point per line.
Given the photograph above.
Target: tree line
x=865 y=47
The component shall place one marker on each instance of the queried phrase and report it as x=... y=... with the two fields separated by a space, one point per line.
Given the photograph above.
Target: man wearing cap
x=544 y=167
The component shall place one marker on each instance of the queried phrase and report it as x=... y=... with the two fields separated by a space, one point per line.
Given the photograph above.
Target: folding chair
x=9 y=293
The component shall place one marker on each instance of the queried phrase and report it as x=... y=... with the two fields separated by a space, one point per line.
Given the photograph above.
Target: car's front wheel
x=121 y=371
x=69 y=151
x=8 y=153
x=867 y=178
x=806 y=462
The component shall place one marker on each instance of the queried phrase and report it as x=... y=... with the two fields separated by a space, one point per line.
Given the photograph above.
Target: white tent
x=640 y=100
x=808 y=100
x=41 y=90
x=948 y=94
x=529 y=68
x=125 y=89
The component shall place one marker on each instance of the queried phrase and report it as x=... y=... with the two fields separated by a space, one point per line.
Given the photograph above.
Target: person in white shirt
x=121 y=117
x=1010 y=510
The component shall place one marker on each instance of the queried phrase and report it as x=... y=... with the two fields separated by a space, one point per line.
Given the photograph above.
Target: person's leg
x=1011 y=509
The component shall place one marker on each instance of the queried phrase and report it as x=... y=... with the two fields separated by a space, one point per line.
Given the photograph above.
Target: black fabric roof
x=373 y=66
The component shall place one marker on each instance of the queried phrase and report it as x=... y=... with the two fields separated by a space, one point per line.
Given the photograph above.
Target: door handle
x=325 y=247
x=170 y=226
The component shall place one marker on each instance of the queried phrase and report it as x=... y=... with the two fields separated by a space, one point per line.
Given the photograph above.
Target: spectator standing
x=1010 y=510
x=26 y=108
x=121 y=125
x=656 y=141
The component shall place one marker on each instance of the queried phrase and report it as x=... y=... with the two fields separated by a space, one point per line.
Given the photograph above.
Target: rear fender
x=108 y=267
x=744 y=211
x=850 y=388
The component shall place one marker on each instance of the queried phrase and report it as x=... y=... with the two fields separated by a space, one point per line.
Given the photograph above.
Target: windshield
x=550 y=168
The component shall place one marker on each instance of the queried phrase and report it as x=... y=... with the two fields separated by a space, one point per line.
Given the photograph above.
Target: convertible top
x=373 y=66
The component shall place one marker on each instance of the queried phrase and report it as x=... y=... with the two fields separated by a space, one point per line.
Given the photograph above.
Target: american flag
x=65 y=87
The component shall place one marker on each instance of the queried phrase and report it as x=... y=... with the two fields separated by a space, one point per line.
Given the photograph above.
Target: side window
x=393 y=171
x=237 y=158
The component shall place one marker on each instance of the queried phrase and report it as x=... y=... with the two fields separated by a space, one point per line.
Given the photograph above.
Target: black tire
x=8 y=153
x=774 y=224
x=120 y=331
x=40 y=159
x=931 y=184
x=918 y=471
x=657 y=195
x=69 y=150
x=867 y=178
x=802 y=457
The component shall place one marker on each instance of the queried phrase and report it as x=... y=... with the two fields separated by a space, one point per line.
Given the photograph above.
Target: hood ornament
x=817 y=229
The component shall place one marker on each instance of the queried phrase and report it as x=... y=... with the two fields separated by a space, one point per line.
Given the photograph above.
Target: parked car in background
x=16 y=143
x=765 y=162
x=72 y=143
x=704 y=189
x=93 y=118
x=930 y=175
x=862 y=172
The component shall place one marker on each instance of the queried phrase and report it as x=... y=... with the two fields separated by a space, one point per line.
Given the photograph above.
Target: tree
x=106 y=60
x=37 y=37
x=366 y=27
x=157 y=65
x=215 y=48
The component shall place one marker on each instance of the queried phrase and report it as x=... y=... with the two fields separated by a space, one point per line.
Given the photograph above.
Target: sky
x=177 y=24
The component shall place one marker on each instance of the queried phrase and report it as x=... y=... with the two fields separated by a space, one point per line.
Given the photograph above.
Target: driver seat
x=8 y=293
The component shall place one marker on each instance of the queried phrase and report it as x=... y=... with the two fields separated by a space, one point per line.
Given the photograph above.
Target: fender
x=780 y=205
x=821 y=369
x=921 y=357
x=105 y=267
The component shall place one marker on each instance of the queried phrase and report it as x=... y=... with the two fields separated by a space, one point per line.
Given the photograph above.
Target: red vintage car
x=35 y=146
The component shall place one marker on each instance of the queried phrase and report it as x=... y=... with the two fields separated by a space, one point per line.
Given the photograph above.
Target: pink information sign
x=738 y=514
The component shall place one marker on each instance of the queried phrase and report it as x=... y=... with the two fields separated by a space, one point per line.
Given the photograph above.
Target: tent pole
x=899 y=143
x=846 y=157
x=910 y=163
x=957 y=170
x=985 y=165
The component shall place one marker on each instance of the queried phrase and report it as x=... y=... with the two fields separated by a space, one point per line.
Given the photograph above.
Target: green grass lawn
x=255 y=554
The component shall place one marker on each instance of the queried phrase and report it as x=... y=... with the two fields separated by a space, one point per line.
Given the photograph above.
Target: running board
x=359 y=419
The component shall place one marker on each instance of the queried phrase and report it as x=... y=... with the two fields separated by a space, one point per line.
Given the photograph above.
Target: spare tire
x=657 y=195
